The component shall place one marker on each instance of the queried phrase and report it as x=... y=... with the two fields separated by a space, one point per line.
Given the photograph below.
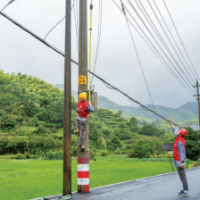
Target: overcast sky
x=117 y=62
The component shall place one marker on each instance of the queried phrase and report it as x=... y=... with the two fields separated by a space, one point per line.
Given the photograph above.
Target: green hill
x=32 y=115
x=188 y=111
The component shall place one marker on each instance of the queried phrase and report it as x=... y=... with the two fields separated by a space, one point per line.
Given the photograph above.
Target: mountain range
x=185 y=112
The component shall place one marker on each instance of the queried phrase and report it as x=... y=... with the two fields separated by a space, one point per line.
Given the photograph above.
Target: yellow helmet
x=83 y=96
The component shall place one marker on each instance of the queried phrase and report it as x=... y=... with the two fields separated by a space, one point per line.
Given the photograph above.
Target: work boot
x=83 y=148
x=77 y=131
x=183 y=193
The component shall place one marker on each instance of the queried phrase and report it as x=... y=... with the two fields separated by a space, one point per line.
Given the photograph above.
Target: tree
x=193 y=145
x=142 y=149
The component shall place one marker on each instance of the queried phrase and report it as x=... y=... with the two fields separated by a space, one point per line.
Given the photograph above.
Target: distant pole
x=67 y=189
x=83 y=156
x=197 y=86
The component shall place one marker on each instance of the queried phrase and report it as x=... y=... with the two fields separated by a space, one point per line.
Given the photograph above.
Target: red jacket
x=176 y=153
x=82 y=109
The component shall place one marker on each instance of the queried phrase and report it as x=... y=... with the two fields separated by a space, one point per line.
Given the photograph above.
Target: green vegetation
x=141 y=149
x=31 y=123
x=188 y=111
x=190 y=122
x=193 y=145
x=27 y=179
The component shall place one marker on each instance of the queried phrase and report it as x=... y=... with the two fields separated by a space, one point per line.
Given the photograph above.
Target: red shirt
x=176 y=153
x=82 y=109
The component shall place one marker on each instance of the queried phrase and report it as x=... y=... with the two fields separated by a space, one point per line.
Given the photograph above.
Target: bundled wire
x=138 y=59
x=36 y=36
x=180 y=39
x=7 y=5
x=126 y=95
x=154 y=49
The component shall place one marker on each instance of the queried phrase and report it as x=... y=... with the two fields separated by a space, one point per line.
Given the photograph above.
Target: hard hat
x=83 y=96
x=183 y=132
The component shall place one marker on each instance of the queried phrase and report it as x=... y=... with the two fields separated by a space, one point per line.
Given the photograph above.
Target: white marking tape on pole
x=83 y=181
x=83 y=167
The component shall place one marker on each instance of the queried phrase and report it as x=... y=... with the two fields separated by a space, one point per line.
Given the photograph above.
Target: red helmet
x=183 y=132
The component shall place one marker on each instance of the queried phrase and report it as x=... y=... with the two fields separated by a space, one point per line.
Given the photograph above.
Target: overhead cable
x=180 y=38
x=54 y=28
x=137 y=54
x=7 y=4
x=174 y=39
x=171 y=45
x=153 y=48
x=126 y=95
x=157 y=51
x=35 y=36
x=156 y=42
x=57 y=23
x=157 y=32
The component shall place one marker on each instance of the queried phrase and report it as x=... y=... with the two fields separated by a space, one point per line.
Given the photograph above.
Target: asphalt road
x=161 y=187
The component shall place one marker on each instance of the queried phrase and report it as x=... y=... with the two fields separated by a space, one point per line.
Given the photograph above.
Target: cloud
x=117 y=61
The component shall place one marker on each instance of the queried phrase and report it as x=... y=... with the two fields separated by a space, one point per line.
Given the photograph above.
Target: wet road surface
x=161 y=187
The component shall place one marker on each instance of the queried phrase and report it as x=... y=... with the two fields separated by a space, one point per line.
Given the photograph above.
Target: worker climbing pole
x=83 y=149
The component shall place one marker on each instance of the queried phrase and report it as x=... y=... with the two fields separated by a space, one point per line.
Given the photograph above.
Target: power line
x=57 y=23
x=173 y=39
x=75 y=21
x=156 y=41
x=138 y=59
x=158 y=34
x=7 y=4
x=126 y=95
x=153 y=48
x=180 y=80
x=180 y=39
x=54 y=27
x=35 y=36
x=171 y=45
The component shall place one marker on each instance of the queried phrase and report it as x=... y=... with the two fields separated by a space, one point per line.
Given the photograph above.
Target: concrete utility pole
x=67 y=185
x=197 y=86
x=83 y=156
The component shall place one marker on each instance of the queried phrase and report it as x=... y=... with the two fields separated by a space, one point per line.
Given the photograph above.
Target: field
x=27 y=179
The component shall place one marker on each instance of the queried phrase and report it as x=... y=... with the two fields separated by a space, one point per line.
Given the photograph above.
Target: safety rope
x=91 y=8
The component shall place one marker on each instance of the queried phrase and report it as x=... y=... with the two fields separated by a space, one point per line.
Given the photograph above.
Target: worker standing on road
x=180 y=156
x=83 y=109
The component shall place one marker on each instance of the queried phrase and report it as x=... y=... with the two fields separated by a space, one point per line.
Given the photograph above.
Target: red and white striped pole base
x=83 y=174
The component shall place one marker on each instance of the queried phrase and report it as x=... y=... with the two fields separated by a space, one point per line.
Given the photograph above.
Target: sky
x=117 y=61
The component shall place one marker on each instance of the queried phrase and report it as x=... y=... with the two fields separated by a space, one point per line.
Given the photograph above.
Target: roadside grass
x=27 y=179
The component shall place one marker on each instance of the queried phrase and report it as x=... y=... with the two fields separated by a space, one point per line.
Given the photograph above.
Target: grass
x=27 y=179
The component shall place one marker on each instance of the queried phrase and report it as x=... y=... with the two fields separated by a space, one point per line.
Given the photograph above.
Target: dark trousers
x=182 y=175
x=82 y=125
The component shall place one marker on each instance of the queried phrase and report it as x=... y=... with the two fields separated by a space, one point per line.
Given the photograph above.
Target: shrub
x=142 y=149
x=193 y=145
x=117 y=152
x=20 y=156
x=103 y=153
x=91 y=155
x=57 y=136
x=41 y=130
x=106 y=131
x=57 y=155
x=74 y=150
x=27 y=155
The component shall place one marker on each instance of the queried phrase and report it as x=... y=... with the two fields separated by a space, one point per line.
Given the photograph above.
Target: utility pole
x=83 y=156
x=197 y=86
x=67 y=185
